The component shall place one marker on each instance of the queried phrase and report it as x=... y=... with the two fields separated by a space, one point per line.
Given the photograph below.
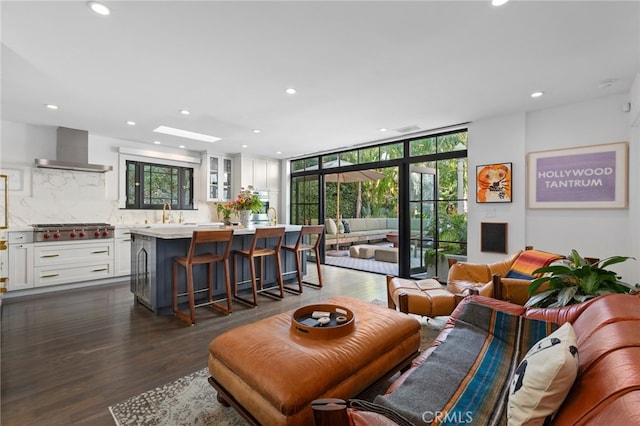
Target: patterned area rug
x=191 y=400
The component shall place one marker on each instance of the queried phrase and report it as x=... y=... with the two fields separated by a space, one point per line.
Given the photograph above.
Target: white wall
x=634 y=176
x=53 y=196
x=594 y=232
x=497 y=140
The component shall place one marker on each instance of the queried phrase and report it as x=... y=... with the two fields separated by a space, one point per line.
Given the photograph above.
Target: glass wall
x=421 y=185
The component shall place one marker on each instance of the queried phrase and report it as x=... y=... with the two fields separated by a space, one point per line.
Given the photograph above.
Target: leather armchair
x=488 y=280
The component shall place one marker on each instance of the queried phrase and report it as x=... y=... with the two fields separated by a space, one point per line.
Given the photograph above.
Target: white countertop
x=174 y=231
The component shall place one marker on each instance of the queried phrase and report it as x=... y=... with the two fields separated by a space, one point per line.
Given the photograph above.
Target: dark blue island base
x=153 y=251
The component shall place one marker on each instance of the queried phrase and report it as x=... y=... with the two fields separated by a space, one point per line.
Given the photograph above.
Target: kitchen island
x=154 y=247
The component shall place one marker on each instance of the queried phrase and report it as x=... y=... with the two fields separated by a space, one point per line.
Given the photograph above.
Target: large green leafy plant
x=576 y=281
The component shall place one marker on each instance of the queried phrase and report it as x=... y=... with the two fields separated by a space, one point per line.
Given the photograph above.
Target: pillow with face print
x=543 y=378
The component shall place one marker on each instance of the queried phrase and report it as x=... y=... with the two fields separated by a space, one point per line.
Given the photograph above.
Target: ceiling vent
x=72 y=149
x=408 y=129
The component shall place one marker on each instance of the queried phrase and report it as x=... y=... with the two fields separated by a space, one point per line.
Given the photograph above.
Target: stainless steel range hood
x=72 y=153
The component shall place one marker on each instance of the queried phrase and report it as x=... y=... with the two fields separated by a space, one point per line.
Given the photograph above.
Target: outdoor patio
x=371 y=265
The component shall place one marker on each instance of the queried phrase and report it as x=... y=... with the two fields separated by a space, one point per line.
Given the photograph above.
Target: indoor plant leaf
x=576 y=282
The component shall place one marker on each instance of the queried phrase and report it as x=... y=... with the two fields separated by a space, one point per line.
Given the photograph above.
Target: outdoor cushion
x=347 y=227
x=332 y=228
x=358 y=225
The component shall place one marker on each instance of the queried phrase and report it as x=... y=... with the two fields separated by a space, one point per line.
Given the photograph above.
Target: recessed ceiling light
x=291 y=91
x=382 y=129
x=185 y=134
x=278 y=152
x=182 y=146
x=256 y=130
x=131 y=123
x=244 y=145
x=156 y=142
x=537 y=94
x=99 y=8
x=185 y=112
x=498 y=2
x=51 y=106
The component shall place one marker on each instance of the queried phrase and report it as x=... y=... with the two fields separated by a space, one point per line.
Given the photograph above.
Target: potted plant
x=225 y=210
x=577 y=281
x=247 y=202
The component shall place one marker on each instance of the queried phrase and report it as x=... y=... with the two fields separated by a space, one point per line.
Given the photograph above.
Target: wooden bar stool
x=301 y=246
x=203 y=237
x=265 y=236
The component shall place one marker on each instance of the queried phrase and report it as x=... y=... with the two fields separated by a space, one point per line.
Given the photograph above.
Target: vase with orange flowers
x=246 y=203
x=225 y=210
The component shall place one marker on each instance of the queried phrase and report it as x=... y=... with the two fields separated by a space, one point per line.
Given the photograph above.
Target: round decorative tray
x=307 y=321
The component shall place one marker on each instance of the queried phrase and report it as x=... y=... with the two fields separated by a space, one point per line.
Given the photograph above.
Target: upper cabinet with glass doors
x=219 y=171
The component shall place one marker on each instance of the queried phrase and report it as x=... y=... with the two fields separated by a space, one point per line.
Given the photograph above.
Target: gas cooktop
x=45 y=232
x=70 y=225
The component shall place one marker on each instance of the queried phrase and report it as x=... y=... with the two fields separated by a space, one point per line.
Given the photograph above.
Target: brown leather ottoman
x=271 y=374
x=422 y=297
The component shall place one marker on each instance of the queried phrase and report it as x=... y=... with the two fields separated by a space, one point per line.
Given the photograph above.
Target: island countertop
x=169 y=232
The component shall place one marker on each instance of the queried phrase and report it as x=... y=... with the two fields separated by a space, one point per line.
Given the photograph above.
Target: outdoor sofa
x=360 y=230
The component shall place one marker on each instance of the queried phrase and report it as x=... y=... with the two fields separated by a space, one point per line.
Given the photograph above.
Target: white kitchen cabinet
x=122 y=252
x=69 y=262
x=219 y=174
x=273 y=175
x=262 y=173
x=20 y=260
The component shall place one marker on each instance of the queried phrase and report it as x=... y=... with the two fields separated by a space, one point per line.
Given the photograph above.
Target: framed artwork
x=493 y=183
x=588 y=177
x=493 y=237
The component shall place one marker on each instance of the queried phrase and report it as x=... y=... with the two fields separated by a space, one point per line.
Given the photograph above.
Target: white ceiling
x=358 y=66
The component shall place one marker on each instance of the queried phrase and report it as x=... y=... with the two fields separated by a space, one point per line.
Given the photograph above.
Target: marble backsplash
x=67 y=196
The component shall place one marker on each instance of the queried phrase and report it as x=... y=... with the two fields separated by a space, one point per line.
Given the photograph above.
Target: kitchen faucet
x=164 y=211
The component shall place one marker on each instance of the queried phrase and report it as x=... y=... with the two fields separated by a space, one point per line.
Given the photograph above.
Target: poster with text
x=588 y=177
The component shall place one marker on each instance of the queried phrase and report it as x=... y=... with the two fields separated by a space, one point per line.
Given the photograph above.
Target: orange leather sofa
x=607 y=388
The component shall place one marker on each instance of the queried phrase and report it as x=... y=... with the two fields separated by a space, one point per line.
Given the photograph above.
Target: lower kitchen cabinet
x=70 y=262
x=122 y=252
x=20 y=261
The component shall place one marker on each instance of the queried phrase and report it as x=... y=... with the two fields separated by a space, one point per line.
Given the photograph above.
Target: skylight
x=185 y=134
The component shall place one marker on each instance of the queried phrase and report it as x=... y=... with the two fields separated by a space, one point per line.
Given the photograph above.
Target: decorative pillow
x=543 y=378
x=347 y=227
x=332 y=228
x=341 y=227
x=529 y=261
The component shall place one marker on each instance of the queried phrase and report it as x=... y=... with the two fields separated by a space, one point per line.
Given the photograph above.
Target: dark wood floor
x=67 y=356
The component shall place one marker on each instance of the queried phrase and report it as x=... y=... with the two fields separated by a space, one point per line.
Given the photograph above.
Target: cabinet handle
x=101 y=251
x=100 y=270
x=49 y=255
x=3 y=245
x=127 y=240
x=49 y=276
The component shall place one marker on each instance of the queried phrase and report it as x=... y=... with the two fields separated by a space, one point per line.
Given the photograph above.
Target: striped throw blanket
x=529 y=261
x=466 y=379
